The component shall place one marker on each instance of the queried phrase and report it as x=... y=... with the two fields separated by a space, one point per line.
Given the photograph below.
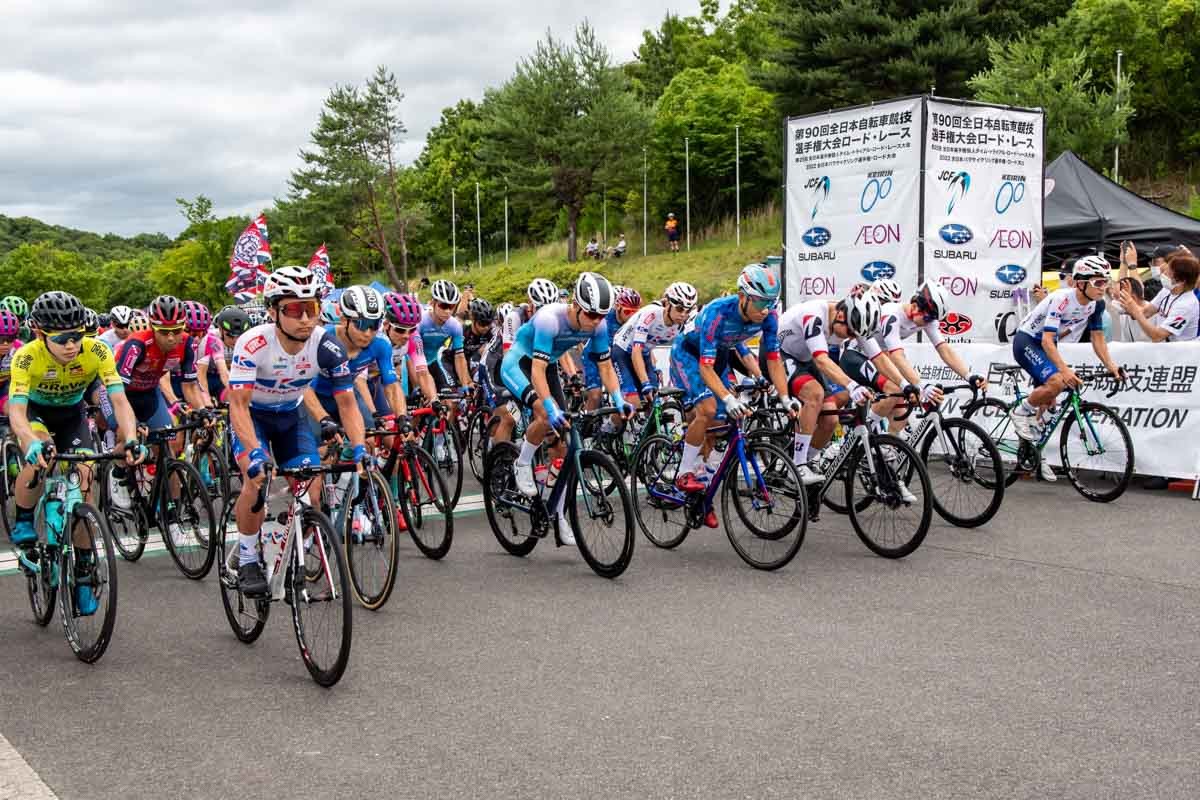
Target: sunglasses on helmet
x=296 y=309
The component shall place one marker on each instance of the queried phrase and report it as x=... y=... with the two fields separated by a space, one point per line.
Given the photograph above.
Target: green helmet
x=16 y=305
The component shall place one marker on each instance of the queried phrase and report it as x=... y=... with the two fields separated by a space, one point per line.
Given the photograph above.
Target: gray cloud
x=114 y=109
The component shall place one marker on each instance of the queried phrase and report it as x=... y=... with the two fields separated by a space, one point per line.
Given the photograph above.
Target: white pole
x=687 y=184
x=737 y=177
x=1117 y=148
x=604 y=202
x=506 y=225
x=644 y=230
x=453 y=235
x=478 y=228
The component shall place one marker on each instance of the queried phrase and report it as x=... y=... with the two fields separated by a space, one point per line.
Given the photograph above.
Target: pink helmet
x=10 y=324
x=402 y=309
x=198 y=319
x=628 y=298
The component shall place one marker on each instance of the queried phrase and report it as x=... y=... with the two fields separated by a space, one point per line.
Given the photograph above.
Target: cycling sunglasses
x=762 y=304
x=1099 y=283
x=594 y=316
x=66 y=337
x=400 y=329
x=447 y=306
x=168 y=328
x=365 y=325
x=7 y=339
x=296 y=309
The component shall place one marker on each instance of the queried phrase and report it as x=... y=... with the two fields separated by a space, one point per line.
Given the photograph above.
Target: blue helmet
x=757 y=280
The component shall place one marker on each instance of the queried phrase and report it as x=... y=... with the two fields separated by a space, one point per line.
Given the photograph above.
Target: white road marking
x=18 y=781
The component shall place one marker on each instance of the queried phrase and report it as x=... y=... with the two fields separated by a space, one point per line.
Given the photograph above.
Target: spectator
x=593 y=249
x=672 y=229
x=1125 y=329
x=622 y=246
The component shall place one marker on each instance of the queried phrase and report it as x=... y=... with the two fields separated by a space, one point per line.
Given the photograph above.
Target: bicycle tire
x=11 y=463
x=43 y=585
x=450 y=466
x=589 y=487
x=963 y=469
x=214 y=472
x=500 y=495
x=476 y=445
x=130 y=530
x=993 y=420
x=373 y=594
x=104 y=582
x=328 y=551
x=1124 y=476
x=911 y=466
x=654 y=515
x=194 y=561
x=426 y=492
x=780 y=478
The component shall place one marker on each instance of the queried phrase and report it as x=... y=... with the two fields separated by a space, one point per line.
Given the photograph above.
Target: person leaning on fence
x=672 y=229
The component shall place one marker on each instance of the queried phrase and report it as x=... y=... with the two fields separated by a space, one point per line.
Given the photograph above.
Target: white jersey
x=805 y=333
x=512 y=323
x=280 y=378
x=648 y=327
x=1061 y=313
x=110 y=338
x=1179 y=314
x=895 y=327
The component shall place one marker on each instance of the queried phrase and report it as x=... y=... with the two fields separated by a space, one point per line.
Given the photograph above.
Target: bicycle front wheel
x=425 y=505
x=965 y=472
x=892 y=525
x=477 y=440
x=660 y=508
x=373 y=550
x=770 y=503
x=601 y=514
x=1097 y=453
x=447 y=449
x=186 y=522
x=10 y=462
x=89 y=571
x=129 y=527
x=321 y=601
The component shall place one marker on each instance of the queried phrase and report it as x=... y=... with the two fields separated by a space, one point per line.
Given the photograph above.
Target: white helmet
x=444 y=291
x=542 y=292
x=361 y=302
x=594 y=293
x=293 y=281
x=887 y=290
x=121 y=315
x=932 y=298
x=862 y=314
x=503 y=310
x=1096 y=266
x=681 y=294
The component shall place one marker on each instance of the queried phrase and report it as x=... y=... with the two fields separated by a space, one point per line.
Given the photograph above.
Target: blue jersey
x=720 y=328
x=377 y=354
x=548 y=335
x=434 y=337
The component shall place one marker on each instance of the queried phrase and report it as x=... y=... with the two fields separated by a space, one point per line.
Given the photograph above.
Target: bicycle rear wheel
x=991 y=415
x=601 y=514
x=965 y=472
x=477 y=440
x=1097 y=453
x=372 y=554
x=889 y=526
x=322 y=608
x=214 y=473
x=660 y=508
x=770 y=503
x=10 y=463
x=425 y=504
x=186 y=523
x=509 y=513
x=89 y=634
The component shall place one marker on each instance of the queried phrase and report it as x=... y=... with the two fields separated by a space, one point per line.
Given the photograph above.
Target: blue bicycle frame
x=736 y=447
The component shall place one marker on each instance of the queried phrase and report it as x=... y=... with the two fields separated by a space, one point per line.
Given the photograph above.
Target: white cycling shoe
x=523 y=474
x=1026 y=425
x=566 y=536
x=1046 y=471
x=809 y=474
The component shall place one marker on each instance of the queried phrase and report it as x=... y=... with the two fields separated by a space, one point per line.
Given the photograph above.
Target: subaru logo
x=1012 y=274
x=878 y=270
x=955 y=234
x=816 y=237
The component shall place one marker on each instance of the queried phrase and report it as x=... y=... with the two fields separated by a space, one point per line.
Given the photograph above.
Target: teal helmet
x=16 y=305
x=757 y=280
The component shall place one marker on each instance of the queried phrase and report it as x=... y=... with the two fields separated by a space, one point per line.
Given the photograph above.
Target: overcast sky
x=113 y=108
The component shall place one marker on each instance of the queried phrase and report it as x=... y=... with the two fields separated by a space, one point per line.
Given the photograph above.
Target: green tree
x=564 y=123
x=30 y=269
x=127 y=282
x=197 y=266
x=1080 y=116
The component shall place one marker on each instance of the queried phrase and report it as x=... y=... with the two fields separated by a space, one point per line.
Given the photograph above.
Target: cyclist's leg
x=515 y=373
x=623 y=365
x=248 y=521
x=504 y=428
x=685 y=374
x=805 y=385
x=591 y=383
x=860 y=369
x=294 y=444
x=26 y=498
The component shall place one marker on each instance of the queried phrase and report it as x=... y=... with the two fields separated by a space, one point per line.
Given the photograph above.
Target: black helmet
x=232 y=320
x=482 y=311
x=57 y=311
x=105 y=320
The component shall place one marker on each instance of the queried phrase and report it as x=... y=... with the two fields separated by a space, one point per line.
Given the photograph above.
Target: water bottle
x=360 y=524
x=271 y=539
x=54 y=520
x=552 y=473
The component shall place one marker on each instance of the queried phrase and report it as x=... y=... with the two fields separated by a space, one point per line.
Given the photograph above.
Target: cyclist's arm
x=193 y=395
x=311 y=404
x=900 y=362
x=567 y=365
x=953 y=360
x=749 y=362
x=830 y=369
x=537 y=377
x=352 y=420
x=1100 y=345
x=460 y=366
x=126 y=419
x=364 y=391
x=396 y=399
x=639 y=366
x=18 y=421
x=608 y=377
x=1050 y=346
x=887 y=368
x=168 y=392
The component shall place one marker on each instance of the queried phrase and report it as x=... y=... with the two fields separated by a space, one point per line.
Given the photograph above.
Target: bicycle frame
x=70 y=494
x=735 y=448
x=1071 y=405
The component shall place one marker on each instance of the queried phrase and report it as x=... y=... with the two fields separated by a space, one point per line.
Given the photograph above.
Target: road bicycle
x=588 y=484
x=441 y=439
x=363 y=514
x=1094 y=445
x=420 y=492
x=209 y=450
x=170 y=494
x=758 y=484
x=11 y=461
x=664 y=415
x=481 y=421
x=56 y=562
x=305 y=566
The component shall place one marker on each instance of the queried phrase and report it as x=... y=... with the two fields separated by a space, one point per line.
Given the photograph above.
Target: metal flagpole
x=1117 y=148
x=643 y=201
x=604 y=202
x=453 y=235
x=506 y=223
x=687 y=183
x=737 y=177
x=478 y=227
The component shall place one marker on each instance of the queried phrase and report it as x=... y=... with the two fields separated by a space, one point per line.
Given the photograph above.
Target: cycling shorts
x=861 y=370
x=286 y=435
x=150 y=408
x=622 y=362
x=3 y=397
x=67 y=425
x=1032 y=358
x=445 y=376
x=591 y=374
x=515 y=374
x=331 y=408
x=685 y=375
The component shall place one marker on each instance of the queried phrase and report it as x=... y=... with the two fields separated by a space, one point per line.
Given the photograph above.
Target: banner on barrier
x=983 y=213
x=852 y=188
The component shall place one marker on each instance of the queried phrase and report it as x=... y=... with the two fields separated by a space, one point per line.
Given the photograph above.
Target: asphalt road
x=1051 y=654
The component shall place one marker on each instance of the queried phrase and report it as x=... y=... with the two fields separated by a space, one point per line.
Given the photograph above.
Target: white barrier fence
x=1160 y=404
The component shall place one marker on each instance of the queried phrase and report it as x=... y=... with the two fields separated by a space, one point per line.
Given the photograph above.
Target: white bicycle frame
x=289 y=534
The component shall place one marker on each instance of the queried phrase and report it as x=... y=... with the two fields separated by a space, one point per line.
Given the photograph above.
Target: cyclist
x=530 y=372
x=273 y=365
x=20 y=308
x=887 y=290
x=213 y=370
x=403 y=313
x=138 y=322
x=627 y=301
x=702 y=355
x=206 y=344
x=120 y=316
x=440 y=328
x=46 y=411
x=541 y=292
x=10 y=343
x=652 y=326
x=1062 y=316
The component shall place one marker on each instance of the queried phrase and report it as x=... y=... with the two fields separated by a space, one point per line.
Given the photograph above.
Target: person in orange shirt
x=672 y=229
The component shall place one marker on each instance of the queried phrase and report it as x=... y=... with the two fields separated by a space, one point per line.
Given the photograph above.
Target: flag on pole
x=319 y=264
x=249 y=260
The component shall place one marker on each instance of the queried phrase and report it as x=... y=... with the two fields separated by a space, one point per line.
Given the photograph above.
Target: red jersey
x=141 y=363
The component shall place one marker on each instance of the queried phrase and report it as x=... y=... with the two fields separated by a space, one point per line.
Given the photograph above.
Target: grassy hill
x=15 y=231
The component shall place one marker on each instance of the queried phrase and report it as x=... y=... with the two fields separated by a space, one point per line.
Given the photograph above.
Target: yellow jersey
x=38 y=377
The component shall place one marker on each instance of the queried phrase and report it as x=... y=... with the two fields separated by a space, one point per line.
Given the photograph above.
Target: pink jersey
x=209 y=347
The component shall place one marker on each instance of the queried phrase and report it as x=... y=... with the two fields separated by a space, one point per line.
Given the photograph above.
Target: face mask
x=1155 y=272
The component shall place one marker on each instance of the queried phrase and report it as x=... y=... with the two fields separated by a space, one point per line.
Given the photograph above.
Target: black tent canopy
x=1085 y=212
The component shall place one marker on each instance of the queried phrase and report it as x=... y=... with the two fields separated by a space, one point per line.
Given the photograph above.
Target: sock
x=691 y=454
x=247 y=549
x=874 y=421
x=24 y=515
x=528 y=451
x=1027 y=408
x=713 y=462
x=800 y=449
